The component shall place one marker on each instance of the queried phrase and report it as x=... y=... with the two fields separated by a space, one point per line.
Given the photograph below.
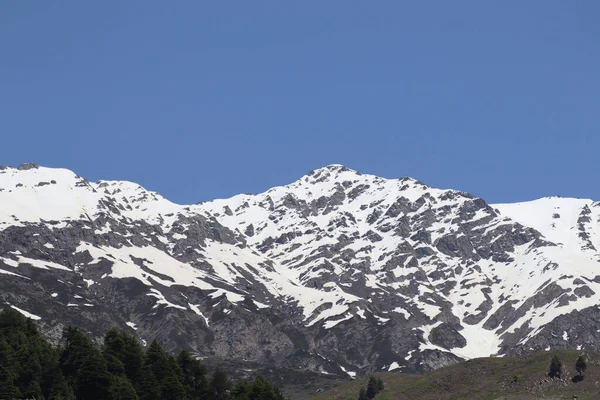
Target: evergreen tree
x=114 y=352
x=193 y=376
x=114 y=365
x=8 y=375
x=133 y=358
x=77 y=347
x=363 y=394
x=120 y=346
x=380 y=385
x=122 y=389
x=93 y=379
x=32 y=391
x=31 y=368
x=555 y=367
x=372 y=388
x=148 y=388
x=242 y=390
x=219 y=385
x=262 y=390
x=51 y=374
x=163 y=368
x=60 y=389
x=581 y=365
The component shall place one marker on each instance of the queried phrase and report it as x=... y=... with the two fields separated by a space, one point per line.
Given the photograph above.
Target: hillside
x=337 y=273
x=507 y=378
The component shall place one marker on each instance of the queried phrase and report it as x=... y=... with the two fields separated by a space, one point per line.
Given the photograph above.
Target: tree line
x=120 y=369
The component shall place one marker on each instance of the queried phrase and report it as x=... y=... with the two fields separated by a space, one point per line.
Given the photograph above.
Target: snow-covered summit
x=335 y=271
x=569 y=221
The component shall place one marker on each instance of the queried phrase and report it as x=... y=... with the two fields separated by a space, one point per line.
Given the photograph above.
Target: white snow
x=539 y=214
x=2 y=271
x=195 y=309
x=331 y=323
x=402 y=311
x=162 y=300
x=428 y=309
x=288 y=273
x=10 y=262
x=479 y=341
x=352 y=374
x=26 y=313
x=42 y=264
x=131 y=325
x=394 y=366
x=260 y=305
x=89 y=282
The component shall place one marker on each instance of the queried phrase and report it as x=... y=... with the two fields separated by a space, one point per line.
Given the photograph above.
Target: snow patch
x=26 y=313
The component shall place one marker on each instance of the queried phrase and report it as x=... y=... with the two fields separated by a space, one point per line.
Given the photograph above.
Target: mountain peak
x=332 y=168
x=353 y=255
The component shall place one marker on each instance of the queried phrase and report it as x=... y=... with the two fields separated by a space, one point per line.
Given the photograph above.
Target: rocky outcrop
x=336 y=272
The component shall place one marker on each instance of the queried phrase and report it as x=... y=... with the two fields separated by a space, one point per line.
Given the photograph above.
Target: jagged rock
x=336 y=269
x=27 y=166
x=447 y=337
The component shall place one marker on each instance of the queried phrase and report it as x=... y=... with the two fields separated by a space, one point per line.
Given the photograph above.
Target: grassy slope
x=516 y=378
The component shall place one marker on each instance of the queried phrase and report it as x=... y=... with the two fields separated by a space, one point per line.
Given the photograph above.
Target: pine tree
x=114 y=352
x=122 y=389
x=193 y=376
x=60 y=389
x=372 y=388
x=32 y=391
x=242 y=390
x=581 y=365
x=380 y=385
x=8 y=374
x=219 y=385
x=77 y=347
x=148 y=388
x=555 y=367
x=93 y=379
x=50 y=374
x=31 y=368
x=363 y=394
x=165 y=371
x=133 y=358
x=261 y=389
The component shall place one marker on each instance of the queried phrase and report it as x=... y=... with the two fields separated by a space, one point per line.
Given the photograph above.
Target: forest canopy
x=120 y=369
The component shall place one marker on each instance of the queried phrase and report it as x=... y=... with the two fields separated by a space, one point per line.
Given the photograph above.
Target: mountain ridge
x=337 y=271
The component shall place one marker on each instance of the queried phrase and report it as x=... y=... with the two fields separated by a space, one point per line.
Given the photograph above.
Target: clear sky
x=200 y=100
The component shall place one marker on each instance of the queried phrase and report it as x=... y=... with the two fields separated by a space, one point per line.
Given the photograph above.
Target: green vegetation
x=580 y=365
x=120 y=369
x=374 y=386
x=555 y=367
x=511 y=378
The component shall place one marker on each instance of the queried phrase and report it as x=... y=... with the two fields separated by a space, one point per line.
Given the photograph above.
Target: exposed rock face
x=336 y=271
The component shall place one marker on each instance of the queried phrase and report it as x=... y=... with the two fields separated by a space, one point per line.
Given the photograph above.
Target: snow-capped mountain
x=337 y=272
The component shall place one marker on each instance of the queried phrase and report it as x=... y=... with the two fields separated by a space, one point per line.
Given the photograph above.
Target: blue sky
x=200 y=100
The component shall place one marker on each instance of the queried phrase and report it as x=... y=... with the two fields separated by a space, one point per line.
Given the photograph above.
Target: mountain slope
x=510 y=378
x=338 y=271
